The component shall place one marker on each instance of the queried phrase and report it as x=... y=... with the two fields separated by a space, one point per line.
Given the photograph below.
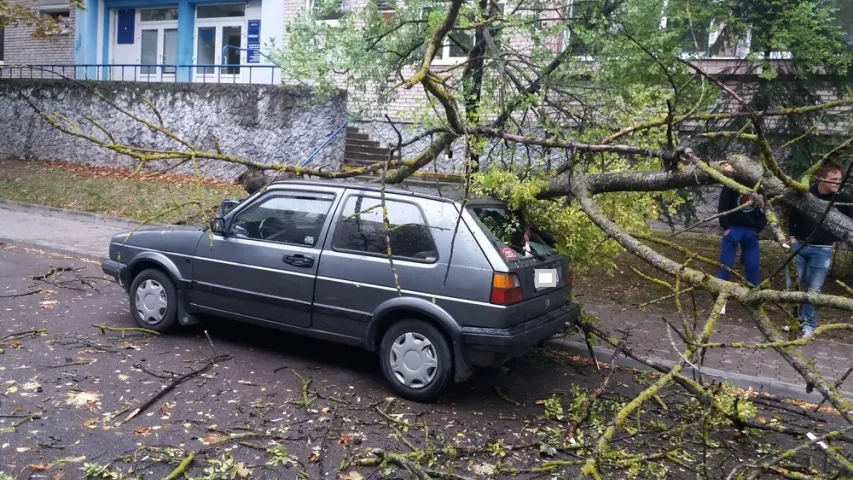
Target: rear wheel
x=154 y=300
x=416 y=360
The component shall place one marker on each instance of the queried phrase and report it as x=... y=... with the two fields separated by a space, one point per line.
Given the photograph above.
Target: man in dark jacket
x=740 y=227
x=815 y=258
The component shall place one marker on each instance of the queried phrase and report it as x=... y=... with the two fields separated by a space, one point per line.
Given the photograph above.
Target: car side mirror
x=217 y=225
x=226 y=206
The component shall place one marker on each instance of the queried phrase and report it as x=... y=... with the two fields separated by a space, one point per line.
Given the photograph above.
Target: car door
x=265 y=265
x=355 y=276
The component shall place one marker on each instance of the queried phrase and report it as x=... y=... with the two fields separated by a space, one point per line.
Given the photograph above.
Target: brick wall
x=21 y=47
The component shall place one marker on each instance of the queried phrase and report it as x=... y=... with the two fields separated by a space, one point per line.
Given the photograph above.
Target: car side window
x=287 y=217
x=361 y=228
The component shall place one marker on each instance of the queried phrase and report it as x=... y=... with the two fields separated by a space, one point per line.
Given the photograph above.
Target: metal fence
x=168 y=73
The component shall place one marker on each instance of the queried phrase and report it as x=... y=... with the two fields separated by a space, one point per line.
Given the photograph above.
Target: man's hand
x=793 y=240
x=726 y=232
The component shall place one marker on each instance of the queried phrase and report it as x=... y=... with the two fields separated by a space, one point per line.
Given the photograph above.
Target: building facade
x=17 y=45
x=225 y=41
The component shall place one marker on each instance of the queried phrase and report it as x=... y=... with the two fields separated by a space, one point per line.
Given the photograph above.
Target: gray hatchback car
x=312 y=258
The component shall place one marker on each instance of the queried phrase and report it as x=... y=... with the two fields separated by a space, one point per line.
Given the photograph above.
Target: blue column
x=272 y=32
x=106 y=74
x=186 y=25
x=86 y=39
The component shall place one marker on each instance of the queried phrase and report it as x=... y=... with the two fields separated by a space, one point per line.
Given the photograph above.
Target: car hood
x=177 y=239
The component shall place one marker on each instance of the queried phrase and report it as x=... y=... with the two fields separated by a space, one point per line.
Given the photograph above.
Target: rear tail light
x=506 y=289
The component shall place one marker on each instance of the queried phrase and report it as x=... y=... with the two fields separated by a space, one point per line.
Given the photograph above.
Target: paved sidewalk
x=762 y=369
x=67 y=231
x=89 y=235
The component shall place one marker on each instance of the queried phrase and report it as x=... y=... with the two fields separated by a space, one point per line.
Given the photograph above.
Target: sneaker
x=808 y=332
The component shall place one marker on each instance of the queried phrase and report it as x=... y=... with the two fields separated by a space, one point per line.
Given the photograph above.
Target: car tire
x=154 y=301
x=416 y=360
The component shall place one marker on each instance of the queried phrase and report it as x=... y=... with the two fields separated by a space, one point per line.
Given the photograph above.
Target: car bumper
x=113 y=269
x=523 y=335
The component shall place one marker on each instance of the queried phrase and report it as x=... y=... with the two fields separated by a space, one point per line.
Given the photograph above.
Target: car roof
x=448 y=195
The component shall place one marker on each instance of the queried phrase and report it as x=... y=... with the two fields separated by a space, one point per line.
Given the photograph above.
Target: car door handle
x=298 y=260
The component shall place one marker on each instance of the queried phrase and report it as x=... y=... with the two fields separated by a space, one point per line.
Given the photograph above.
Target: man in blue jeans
x=740 y=228
x=815 y=258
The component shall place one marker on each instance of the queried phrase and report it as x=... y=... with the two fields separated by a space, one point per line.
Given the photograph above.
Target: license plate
x=545 y=278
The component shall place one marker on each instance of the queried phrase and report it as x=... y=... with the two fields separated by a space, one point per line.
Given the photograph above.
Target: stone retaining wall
x=266 y=124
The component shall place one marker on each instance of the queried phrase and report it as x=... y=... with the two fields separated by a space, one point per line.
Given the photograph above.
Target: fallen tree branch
x=31 y=292
x=307 y=398
x=177 y=381
x=585 y=407
x=843 y=462
x=20 y=335
x=104 y=328
x=181 y=469
x=52 y=272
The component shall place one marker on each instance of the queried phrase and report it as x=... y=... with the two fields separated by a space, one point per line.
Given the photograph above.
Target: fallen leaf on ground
x=314 y=458
x=49 y=304
x=81 y=398
x=144 y=431
x=31 y=385
x=346 y=439
x=213 y=439
x=165 y=409
x=483 y=469
x=243 y=471
x=353 y=475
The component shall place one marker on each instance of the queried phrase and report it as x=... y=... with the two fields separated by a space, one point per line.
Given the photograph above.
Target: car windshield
x=504 y=229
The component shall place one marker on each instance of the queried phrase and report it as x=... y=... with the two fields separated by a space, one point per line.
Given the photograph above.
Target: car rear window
x=505 y=231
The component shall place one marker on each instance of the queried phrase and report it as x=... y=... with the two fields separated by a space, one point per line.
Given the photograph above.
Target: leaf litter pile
x=85 y=394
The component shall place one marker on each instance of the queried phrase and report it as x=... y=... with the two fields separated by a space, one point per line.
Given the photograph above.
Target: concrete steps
x=360 y=151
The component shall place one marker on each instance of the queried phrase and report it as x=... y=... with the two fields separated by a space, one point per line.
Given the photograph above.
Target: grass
x=111 y=191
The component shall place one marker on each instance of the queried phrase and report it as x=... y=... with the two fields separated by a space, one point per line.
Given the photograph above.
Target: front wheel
x=416 y=360
x=154 y=300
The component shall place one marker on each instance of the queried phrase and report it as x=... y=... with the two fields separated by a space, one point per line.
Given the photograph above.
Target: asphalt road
x=274 y=404
x=73 y=380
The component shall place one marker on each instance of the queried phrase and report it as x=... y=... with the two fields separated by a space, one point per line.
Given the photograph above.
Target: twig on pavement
x=171 y=386
x=31 y=292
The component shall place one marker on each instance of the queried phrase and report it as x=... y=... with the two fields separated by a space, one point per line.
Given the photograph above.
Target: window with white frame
x=386 y=5
x=327 y=9
x=59 y=16
x=704 y=38
x=576 y=13
x=844 y=18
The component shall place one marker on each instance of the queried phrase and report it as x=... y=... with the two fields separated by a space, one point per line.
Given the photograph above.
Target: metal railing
x=169 y=73
x=325 y=143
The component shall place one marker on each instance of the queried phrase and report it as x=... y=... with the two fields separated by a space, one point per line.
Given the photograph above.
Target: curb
x=85 y=217
x=54 y=250
x=762 y=384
